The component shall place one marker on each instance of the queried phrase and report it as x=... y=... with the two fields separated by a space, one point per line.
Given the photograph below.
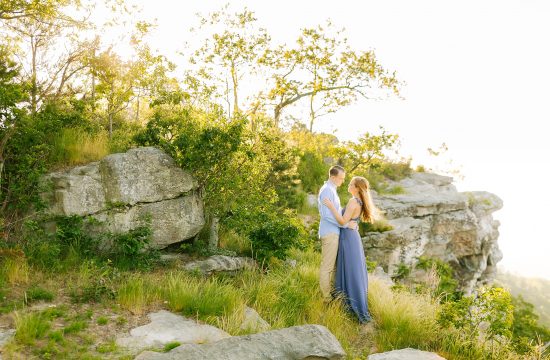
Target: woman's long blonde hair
x=370 y=212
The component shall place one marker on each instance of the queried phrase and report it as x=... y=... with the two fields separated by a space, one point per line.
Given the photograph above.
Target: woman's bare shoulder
x=352 y=203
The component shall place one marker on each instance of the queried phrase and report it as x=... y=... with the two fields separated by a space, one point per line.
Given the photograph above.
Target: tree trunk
x=213 y=235
x=235 y=90
x=110 y=109
x=277 y=115
x=137 y=108
x=34 y=86
x=311 y=114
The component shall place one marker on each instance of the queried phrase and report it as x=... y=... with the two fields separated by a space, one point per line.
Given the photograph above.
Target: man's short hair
x=335 y=170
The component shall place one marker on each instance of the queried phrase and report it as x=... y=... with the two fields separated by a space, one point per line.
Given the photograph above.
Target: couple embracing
x=342 y=255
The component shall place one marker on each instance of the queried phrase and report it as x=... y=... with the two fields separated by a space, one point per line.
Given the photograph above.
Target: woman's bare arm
x=350 y=209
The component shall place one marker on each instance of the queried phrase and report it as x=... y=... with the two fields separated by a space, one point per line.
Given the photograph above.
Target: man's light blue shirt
x=328 y=223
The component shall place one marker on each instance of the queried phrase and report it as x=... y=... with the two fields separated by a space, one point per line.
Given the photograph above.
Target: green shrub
x=447 y=288
x=131 y=250
x=376 y=226
x=402 y=271
x=527 y=332
x=395 y=170
x=491 y=305
x=275 y=234
x=94 y=282
x=311 y=169
x=36 y=293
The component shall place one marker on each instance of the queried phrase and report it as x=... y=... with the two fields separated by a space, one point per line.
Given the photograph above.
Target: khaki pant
x=329 y=250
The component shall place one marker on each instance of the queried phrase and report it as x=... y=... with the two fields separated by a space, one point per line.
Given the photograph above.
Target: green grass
x=394 y=190
x=107 y=347
x=283 y=296
x=14 y=269
x=56 y=336
x=402 y=319
x=75 y=327
x=230 y=240
x=30 y=327
x=37 y=293
x=102 y=320
x=137 y=293
x=75 y=146
x=193 y=296
x=171 y=345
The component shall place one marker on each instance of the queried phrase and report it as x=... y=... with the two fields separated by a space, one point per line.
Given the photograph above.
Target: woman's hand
x=328 y=203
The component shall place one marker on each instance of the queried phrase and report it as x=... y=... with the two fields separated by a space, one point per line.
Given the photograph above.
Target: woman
x=351 y=272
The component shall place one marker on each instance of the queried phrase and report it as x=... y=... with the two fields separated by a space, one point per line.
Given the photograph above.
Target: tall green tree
x=235 y=49
x=12 y=93
x=367 y=150
x=51 y=49
x=121 y=83
x=37 y=9
x=324 y=71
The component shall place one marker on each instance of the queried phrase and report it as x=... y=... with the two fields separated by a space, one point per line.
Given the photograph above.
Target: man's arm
x=325 y=211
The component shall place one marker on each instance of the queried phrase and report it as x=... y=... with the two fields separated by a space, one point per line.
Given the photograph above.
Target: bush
x=31 y=151
x=492 y=306
x=311 y=170
x=275 y=234
x=131 y=250
x=527 y=332
x=447 y=288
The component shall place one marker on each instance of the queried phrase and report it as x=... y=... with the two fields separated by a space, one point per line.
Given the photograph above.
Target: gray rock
x=77 y=191
x=221 y=263
x=5 y=336
x=405 y=354
x=253 y=322
x=171 y=220
x=123 y=190
x=382 y=276
x=298 y=342
x=141 y=175
x=166 y=327
x=433 y=219
x=311 y=200
x=291 y=262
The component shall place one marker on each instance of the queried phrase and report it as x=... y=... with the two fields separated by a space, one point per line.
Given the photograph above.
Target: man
x=329 y=229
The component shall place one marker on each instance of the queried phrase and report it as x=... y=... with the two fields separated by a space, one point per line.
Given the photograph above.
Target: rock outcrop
x=125 y=191
x=297 y=342
x=165 y=328
x=431 y=218
x=218 y=263
x=405 y=354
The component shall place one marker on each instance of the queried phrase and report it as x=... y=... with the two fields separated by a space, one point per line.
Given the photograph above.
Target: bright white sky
x=477 y=75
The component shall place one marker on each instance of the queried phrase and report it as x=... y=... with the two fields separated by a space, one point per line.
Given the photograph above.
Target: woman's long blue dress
x=351 y=280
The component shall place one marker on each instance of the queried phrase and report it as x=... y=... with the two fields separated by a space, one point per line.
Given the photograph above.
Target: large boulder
x=165 y=328
x=297 y=342
x=431 y=218
x=127 y=190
